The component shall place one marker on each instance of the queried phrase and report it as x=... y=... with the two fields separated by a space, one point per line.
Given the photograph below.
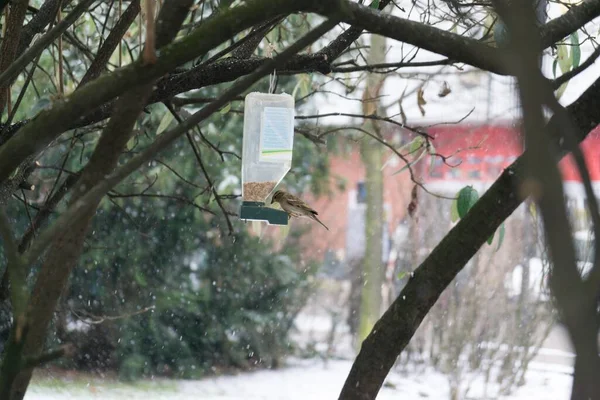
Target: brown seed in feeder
x=258 y=191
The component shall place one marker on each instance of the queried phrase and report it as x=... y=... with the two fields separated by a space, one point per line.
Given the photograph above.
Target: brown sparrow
x=294 y=206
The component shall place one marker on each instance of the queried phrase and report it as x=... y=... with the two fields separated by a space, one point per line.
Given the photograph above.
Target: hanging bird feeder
x=266 y=154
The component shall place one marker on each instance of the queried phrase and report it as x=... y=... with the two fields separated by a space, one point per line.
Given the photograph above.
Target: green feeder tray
x=256 y=211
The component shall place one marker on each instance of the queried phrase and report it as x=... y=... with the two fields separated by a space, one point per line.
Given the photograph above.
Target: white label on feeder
x=276 y=134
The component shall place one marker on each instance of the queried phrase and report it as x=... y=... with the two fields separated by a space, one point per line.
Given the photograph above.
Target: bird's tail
x=319 y=221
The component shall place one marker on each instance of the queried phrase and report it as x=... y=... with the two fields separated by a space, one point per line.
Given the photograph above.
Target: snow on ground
x=302 y=379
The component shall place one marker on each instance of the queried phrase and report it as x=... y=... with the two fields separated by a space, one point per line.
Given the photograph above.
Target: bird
x=294 y=206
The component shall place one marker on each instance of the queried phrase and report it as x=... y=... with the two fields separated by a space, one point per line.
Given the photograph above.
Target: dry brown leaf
x=445 y=90
x=421 y=100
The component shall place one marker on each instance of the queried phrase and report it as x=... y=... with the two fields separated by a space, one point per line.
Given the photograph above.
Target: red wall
x=482 y=152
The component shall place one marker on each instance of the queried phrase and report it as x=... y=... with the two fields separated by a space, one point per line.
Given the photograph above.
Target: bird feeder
x=266 y=153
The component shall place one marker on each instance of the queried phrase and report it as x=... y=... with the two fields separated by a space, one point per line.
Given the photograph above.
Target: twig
x=116 y=195
x=453 y=122
x=404 y=159
x=389 y=67
x=221 y=153
x=20 y=97
x=184 y=101
x=196 y=151
x=371 y=117
x=211 y=184
x=177 y=174
x=98 y=319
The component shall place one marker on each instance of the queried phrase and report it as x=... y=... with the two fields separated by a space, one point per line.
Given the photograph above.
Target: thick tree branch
x=68 y=244
x=229 y=69
x=111 y=42
x=576 y=305
x=453 y=46
x=165 y=139
x=213 y=31
x=47 y=125
x=221 y=71
x=334 y=49
x=396 y=327
x=38 y=23
x=10 y=43
x=246 y=47
x=571 y=21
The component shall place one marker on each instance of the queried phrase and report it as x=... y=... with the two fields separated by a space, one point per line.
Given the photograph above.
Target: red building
x=482 y=152
x=476 y=154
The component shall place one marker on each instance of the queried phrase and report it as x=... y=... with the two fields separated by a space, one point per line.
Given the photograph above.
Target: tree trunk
x=370 y=306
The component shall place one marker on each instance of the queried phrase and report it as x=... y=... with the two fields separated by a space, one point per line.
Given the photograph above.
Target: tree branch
x=14 y=23
x=165 y=139
x=47 y=125
x=40 y=45
x=111 y=42
x=46 y=14
x=393 y=331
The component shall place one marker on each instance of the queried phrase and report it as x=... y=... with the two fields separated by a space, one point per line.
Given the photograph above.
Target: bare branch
x=369 y=117
x=391 y=67
x=91 y=319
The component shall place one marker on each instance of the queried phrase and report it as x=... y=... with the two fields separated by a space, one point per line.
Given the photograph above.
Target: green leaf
x=454 y=211
x=564 y=58
x=491 y=239
x=410 y=164
x=131 y=143
x=305 y=86
x=375 y=4
x=225 y=109
x=14 y=173
x=575 y=49
x=295 y=91
x=401 y=275
x=533 y=210
x=561 y=90
x=467 y=197
x=416 y=144
x=164 y=123
x=501 y=236
x=432 y=157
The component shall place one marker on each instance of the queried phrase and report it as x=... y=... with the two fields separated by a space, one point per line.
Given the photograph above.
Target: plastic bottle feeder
x=266 y=153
